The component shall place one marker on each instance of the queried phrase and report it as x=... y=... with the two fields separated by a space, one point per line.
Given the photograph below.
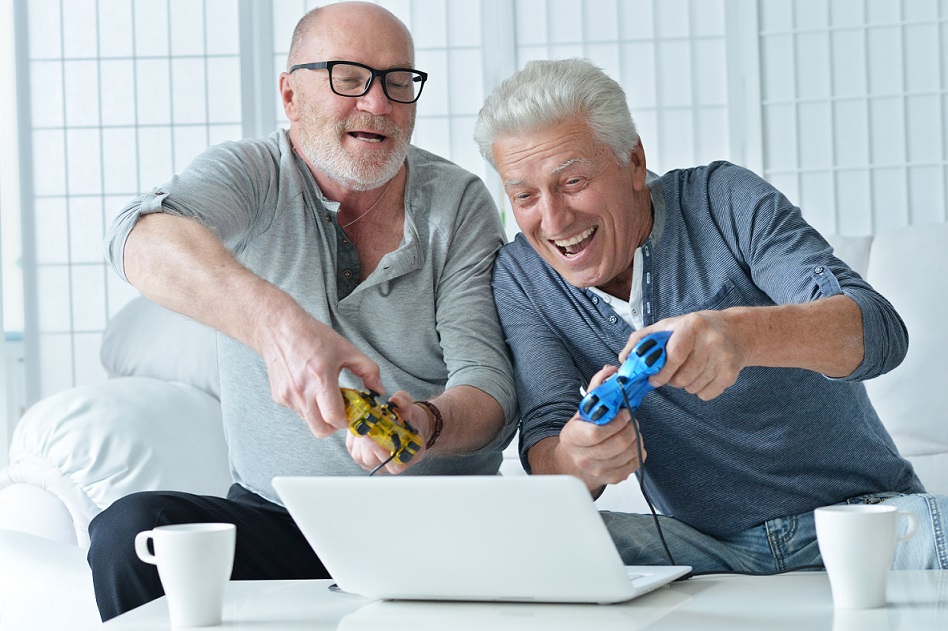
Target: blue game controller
x=602 y=404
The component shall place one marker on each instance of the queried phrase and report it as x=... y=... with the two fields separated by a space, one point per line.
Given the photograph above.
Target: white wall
x=841 y=104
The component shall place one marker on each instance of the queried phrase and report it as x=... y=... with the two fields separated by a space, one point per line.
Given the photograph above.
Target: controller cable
x=390 y=458
x=622 y=381
x=397 y=446
x=640 y=476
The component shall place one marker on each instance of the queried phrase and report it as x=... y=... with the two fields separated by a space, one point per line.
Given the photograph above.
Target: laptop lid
x=480 y=538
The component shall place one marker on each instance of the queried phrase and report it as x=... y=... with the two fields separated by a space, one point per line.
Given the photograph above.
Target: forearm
x=825 y=336
x=546 y=458
x=472 y=419
x=181 y=265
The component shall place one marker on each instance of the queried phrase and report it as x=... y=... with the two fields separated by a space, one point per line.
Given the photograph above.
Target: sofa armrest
x=44 y=585
x=27 y=506
x=93 y=444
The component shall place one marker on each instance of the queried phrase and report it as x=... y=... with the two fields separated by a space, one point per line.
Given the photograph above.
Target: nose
x=555 y=214
x=374 y=101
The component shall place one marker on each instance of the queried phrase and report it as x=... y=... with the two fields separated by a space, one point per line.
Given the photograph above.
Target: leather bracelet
x=435 y=414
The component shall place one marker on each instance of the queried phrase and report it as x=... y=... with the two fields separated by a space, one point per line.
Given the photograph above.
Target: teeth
x=574 y=240
x=366 y=136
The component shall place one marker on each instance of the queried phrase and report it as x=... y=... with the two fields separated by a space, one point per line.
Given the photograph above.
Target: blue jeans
x=777 y=545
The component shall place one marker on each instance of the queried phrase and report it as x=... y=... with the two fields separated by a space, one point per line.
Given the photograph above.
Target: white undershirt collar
x=630 y=311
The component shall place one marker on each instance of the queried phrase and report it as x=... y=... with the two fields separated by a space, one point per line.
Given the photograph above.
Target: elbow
x=898 y=348
x=885 y=347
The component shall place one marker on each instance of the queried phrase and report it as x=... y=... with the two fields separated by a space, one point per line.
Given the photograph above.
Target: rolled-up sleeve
x=121 y=227
x=793 y=263
x=885 y=336
x=226 y=188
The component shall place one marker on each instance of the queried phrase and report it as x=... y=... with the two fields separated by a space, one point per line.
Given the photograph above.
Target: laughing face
x=359 y=143
x=580 y=209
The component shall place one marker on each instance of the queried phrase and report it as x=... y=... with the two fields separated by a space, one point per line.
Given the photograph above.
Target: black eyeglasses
x=348 y=78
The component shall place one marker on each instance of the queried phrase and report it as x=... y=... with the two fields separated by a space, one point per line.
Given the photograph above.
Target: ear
x=637 y=166
x=287 y=94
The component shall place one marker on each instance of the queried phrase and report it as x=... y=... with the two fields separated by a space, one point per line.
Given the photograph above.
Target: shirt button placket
x=646 y=253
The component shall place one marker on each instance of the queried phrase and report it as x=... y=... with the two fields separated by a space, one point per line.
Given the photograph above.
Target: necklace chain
x=372 y=207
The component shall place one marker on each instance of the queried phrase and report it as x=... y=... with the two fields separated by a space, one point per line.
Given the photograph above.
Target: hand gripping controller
x=382 y=424
x=602 y=404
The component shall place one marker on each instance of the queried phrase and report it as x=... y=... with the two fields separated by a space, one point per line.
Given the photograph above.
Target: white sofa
x=156 y=424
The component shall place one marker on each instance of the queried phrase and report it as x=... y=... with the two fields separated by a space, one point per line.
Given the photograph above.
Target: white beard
x=319 y=142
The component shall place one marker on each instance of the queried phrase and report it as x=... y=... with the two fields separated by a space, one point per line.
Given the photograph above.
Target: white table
x=917 y=600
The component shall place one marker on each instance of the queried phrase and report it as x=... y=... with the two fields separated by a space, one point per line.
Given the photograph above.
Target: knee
x=112 y=532
x=128 y=515
x=636 y=538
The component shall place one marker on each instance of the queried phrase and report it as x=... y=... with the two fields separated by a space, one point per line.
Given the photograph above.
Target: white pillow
x=145 y=340
x=93 y=444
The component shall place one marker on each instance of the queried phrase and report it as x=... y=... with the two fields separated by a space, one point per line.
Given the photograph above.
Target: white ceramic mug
x=194 y=563
x=857 y=543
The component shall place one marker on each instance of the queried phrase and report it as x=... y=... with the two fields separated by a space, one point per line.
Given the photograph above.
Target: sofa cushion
x=852 y=250
x=93 y=444
x=907 y=266
x=145 y=340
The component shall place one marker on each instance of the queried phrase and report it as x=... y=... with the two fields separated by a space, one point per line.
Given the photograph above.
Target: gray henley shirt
x=425 y=314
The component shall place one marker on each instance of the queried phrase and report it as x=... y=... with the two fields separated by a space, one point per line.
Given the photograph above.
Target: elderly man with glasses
x=332 y=254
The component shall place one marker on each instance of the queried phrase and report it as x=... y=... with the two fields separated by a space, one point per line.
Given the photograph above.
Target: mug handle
x=141 y=546
x=909 y=532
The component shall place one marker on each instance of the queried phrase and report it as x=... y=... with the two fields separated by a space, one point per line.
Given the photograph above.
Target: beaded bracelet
x=435 y=415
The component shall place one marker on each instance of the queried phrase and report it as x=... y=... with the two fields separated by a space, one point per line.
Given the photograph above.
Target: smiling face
x=360 y=143
x=579 y=207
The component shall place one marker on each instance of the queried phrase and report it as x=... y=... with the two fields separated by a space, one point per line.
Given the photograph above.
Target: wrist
x=435 y=421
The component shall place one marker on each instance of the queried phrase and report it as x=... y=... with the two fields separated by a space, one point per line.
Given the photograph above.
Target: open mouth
x=367 y=136
x=575 y=245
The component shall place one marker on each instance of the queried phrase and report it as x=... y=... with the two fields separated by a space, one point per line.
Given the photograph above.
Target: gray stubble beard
x=356 y=173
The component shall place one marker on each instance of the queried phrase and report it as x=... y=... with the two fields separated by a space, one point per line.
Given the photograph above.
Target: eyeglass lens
x=349 y=80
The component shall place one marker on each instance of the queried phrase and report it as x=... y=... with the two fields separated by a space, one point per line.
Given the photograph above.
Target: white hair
x=547 y=92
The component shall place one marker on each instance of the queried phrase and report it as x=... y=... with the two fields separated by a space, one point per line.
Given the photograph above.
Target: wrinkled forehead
x=548 y=151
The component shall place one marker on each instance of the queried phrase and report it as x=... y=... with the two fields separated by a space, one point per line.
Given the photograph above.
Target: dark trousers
x=269 y=544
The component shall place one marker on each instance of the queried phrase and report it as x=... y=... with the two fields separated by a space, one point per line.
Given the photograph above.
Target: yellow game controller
x=381 y=423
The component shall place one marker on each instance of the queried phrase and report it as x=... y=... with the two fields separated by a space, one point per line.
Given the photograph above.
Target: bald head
x=355 y=18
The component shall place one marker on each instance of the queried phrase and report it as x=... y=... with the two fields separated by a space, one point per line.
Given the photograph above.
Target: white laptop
x=468 y=538
x=414 y=615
